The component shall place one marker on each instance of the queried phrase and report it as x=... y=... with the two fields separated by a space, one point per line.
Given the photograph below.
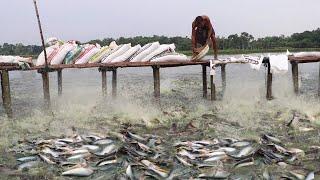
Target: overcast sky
x=91 y=19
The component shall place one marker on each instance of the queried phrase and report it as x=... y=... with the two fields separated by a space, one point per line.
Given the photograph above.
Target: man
x=202 y=35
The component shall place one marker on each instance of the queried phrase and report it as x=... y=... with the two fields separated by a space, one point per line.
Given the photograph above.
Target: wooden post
x=114 y=83
x=46 y=89
x=295 y=76
x=104 y=81
x=213 y=89
x=269 y=83
x=156 y=81
x=204 y=81
x=59 y=73
x=223 y=77
x=6 y=96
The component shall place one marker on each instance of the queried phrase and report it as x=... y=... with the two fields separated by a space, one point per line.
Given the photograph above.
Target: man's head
x=199 y=21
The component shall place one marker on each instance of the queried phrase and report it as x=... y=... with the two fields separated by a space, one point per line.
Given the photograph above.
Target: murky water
x=242 y=112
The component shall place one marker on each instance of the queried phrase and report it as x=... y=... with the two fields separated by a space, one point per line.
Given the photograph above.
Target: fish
x=79 y=151
x=227 y=149
x=310 y=176
x=103 y=142
x=187 y=154
x=91 y=148
x=78 y=157
x=296 y=151
x=270 y=138
x=244 y=152
x=28 y=158
x=136 y=137
x=216 y=174
x=211 y=154
x=216 y=158
x=28 y=165
x=244 y=163
x=240 y=144
x=108 y=162
x=144 y=147
x=80 y=172
x=46 y=159
x=183 y=161
x=129 y=172
x=297 y=175
x=107 y=150
x=47 y=150
x=163 y=173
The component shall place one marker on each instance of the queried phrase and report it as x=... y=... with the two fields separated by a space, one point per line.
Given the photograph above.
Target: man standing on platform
x=202 y=35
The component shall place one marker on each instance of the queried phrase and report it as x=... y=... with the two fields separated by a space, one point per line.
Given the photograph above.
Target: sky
x=85 y=20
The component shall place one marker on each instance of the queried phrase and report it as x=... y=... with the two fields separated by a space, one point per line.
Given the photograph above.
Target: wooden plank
x=204 y=81
x=306 y=59
x=59 y=74
x=295 y=76
x=104 y=81
x=223 y=78
x=6 y=96
x=114 y=83
x=213 y=89
x=111 y=65
x=156 y=81
x=46 y=89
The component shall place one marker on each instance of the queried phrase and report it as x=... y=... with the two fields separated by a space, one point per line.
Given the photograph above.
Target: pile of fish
x=149 y=156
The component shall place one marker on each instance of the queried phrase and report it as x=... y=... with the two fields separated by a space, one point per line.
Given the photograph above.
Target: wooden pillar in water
x=213 y=89
x=114 y=83
x=204 y=81
x=269 y=83
x=223 y=78
x=6 y=96
x=156 y=81
x=46 y=89
x=295 y=76
x=104 y=81
x=59 y=74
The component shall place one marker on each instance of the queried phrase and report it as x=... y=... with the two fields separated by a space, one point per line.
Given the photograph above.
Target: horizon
x=85 y=21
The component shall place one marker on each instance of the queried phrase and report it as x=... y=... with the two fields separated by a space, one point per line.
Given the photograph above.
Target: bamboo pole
x=204 y=81
x=295 y=76
x=104 y=81
x=156 y=81
x=223 y=78
x=6 y=96
x=41 y=34
x=213 y=89
x=59 y=74
x=114 y=83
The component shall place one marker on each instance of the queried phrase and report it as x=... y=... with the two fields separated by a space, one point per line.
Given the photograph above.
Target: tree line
x=242 y=41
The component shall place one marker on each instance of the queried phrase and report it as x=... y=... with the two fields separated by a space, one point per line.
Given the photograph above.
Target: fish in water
x=163 y=173
x=80 y=172
x=28 y=158
x=28 y=165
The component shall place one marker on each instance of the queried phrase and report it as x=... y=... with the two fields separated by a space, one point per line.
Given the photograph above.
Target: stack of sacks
x=15 y=59
x=162 y=49
x=51 y=51
x=104 y=52
x=89 y=51
x=144 y=52
x=61 y=53
x=73 y=54
x=116 y=53
x=170 y=57
x=126 y=56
